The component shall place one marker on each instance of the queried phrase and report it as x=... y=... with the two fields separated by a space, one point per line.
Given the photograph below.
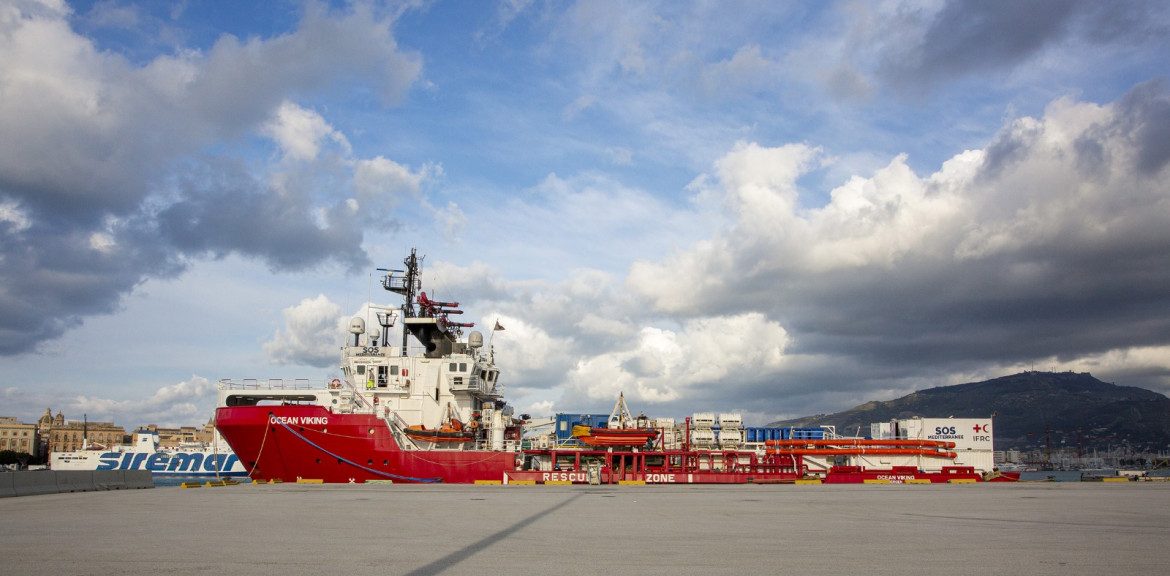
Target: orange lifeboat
x=614 y=436
x=453 y=432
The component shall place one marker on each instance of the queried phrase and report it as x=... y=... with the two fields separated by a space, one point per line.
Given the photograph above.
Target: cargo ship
x=430 y=408
x=194 y=459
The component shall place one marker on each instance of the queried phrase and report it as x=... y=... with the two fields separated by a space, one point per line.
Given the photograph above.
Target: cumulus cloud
x=664 y=365
x=178 y=404
x=1051 y=241
x=311 y=334
x=299 y=131
x=109 y=173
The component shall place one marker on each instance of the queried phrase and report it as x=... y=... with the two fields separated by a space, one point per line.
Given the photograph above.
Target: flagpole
x=493 y=334
x=492 y=351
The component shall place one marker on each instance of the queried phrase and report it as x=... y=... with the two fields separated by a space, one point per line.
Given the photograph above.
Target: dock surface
x=290 y=529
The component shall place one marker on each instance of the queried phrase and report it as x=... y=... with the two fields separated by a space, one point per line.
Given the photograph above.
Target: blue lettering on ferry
x=157 y=462
x=109 y=461
x=219 y=462
x=136 y=464
x=193 y=462
x=184 y=462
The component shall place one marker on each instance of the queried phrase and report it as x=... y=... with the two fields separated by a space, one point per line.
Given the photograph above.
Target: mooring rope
x=256 y=462
x=355 y=464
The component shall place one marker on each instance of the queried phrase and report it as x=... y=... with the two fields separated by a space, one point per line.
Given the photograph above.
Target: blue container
x=565 y=422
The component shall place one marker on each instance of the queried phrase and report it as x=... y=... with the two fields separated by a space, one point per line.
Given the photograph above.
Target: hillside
x=1071 y=409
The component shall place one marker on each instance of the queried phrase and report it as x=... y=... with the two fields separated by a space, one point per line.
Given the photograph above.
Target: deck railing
x=271 y=384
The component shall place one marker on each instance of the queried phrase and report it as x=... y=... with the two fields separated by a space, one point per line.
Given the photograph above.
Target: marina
x=291 y=529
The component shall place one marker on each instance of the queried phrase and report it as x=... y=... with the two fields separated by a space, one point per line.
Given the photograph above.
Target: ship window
x=361 y=369
x=457 y=381
x=463 y=367
x=381 y=376
x=483 y=374
x=394 y=370
x=451 y=368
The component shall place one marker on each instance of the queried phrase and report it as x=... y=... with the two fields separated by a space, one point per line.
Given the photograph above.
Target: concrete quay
x=291 y=529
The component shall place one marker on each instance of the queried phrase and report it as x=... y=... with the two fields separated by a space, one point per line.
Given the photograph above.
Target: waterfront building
x=59 y=435
x=18 y=437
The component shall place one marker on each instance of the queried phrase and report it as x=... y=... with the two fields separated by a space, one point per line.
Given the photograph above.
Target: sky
x=774 y=208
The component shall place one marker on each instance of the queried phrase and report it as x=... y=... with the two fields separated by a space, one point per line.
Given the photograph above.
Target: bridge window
x=394 y=370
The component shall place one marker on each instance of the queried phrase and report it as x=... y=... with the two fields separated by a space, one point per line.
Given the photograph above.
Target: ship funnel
x=357 y=327
x=475 y=340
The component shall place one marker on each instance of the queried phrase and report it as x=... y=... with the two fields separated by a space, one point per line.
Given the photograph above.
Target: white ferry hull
x=162 y=463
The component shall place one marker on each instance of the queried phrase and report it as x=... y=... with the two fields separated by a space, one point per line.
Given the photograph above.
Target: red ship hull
x=298 y=442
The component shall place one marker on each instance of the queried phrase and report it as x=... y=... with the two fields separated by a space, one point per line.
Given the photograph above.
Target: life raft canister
x=405 y=372
x=335 y=383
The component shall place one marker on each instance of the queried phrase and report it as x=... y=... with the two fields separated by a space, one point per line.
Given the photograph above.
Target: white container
x=663 y=423
x=701 y=420
x=731 y=421
x=702 y=437
x=730 y=438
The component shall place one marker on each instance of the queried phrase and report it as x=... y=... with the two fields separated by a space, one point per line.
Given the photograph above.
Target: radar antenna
x=408 y=283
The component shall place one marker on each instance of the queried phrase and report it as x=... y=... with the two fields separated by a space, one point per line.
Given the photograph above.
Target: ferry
x=194 y=459
x=430 y=408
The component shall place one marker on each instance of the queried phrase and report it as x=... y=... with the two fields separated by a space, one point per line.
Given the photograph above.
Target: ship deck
x=289 y=529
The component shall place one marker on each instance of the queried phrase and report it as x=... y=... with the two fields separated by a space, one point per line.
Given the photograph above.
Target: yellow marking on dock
x=558 y=483
x=631 y=482
x=214 y=483
x=310 y=481
x=379 y=482
x=875 y=481
x=522 y=482
x=488 y=482
x=808 y=481
x=962 y=481
x=918 y=481
x=1115 y=479
x=191 y=485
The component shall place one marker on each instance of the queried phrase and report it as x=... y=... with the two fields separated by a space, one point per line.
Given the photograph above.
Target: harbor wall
x=33 y=482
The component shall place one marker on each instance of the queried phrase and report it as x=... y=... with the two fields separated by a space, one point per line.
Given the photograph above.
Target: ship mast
x=407 y=285
x=438 y=331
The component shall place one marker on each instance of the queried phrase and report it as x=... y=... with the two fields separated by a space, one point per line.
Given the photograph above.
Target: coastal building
x=175 y=437
x=59 y=435
x=18 y=437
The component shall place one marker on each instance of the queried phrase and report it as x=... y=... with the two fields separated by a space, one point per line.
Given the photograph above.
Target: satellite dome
x=357 y=325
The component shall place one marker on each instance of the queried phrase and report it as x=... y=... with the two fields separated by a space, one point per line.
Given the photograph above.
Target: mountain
x=1031 y=409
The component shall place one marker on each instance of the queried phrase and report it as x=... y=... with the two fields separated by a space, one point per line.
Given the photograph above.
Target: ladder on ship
x=397 y=428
